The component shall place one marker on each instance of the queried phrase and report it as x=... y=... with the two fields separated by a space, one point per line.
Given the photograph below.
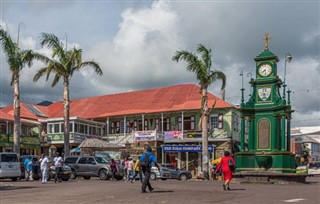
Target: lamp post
x=249 y=74
x=287 y=59
x=43 y=135
x=242 y=89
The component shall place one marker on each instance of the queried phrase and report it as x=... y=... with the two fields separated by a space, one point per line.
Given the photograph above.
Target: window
x=82 y=160
x=94 y=130
x=81 y=128
x=91 y=161
x=216 y=121
x=56 y=128
x=3 y=129
x=76 y=127
x=139 y=124
x=166 y=124
x=71 y=160
x=236 y=122
x=188 y=123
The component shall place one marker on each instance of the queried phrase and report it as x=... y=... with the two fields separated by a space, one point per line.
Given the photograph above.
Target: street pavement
x=169 y=191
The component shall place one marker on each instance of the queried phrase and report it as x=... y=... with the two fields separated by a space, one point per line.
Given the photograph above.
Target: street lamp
x=287 y=59
x=43 y=135
x=249 y=74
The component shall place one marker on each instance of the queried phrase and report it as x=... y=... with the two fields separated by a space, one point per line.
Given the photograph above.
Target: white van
x=9 y=166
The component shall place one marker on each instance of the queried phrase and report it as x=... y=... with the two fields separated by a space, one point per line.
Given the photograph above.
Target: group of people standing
x=44 y=167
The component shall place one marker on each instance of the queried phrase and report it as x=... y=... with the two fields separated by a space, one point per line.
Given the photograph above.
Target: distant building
x=306 y=139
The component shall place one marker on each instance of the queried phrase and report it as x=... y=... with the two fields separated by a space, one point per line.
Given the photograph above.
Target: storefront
x=187 y=157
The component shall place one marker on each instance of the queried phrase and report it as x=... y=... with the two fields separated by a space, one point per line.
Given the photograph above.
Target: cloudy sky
x=134 y=41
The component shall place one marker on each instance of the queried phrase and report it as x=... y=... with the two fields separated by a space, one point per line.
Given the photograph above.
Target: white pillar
x=108 y=126
x=182 y=123
x=142 y=122
x=125 y=125
x=162 y=122
x=179 y=160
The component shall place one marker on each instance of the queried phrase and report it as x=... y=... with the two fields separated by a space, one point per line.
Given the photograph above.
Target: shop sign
x=185 y=148
x=173 y=135
x=145 y=135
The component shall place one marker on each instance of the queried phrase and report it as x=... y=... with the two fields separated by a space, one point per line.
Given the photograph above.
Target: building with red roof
x=143 y=116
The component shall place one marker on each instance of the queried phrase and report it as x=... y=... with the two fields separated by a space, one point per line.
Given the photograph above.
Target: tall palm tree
x=16 y=59
x=205 y=76
x=63 y=63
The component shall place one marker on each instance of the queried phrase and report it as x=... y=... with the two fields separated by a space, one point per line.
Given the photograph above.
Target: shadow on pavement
x=6 y=188
x=237 y=189
x=162 y=191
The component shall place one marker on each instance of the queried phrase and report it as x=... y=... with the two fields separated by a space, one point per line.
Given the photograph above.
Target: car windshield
x=9 y=158
x=101 y=160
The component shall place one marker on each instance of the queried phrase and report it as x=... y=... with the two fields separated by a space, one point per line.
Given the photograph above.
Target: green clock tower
x=268 y=114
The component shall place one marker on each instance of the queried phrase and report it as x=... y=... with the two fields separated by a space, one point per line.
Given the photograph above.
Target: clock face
x=265 y=70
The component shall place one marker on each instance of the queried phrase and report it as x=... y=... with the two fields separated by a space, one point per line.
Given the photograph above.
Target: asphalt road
x=169 y=191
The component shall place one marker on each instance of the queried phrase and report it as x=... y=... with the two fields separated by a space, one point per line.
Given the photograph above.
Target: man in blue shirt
x=28 y=167
x=146 y=161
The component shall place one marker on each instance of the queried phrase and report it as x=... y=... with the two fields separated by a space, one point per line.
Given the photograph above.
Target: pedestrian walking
x=125 y=166
x=44 y=166
x=114 y=169
x=130 y=169
x=58 y=167
x=146 y=162
x=225 y=165
x=137 y=171
x=28 y=167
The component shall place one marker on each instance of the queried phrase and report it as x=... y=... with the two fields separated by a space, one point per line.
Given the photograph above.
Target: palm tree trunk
x=66 y=115
x=204 y=125
x=16 y=109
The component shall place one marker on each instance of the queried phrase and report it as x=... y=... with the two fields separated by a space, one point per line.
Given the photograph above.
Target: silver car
x=88 y=166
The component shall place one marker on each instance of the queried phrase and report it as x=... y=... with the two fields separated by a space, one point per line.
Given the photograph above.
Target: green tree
x=202 y=68
x=17 y=59
x=63 y=63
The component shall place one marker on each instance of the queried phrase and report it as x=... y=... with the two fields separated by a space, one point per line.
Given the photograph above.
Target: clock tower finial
x=266 y=47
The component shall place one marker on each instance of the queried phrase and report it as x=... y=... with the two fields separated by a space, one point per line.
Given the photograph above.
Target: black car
x=36 y=172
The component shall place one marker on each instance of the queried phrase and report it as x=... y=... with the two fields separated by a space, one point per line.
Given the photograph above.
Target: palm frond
x=219 y=75
x=205 y=55
x=55 y=80
x=27 y=57
x=42 y=58
x=53 y=42
x=40 y=73
x=91 y=64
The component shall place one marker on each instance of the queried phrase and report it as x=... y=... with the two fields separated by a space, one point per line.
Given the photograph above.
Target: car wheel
x=73 y=175
x=153 y=176
x=183 y=177
x=65 y=179
x=35 y=177
x=103 y=174
x=14 y=179
x=163 y=179
x=87 y=177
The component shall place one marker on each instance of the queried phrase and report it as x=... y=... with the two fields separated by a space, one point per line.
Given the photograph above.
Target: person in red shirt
x=227 y=172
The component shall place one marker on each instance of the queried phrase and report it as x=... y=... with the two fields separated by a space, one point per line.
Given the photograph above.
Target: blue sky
x=134 y=41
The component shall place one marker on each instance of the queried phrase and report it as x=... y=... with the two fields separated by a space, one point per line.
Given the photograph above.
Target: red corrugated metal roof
x=165 y=99
x=25 y=113
x=5 y=116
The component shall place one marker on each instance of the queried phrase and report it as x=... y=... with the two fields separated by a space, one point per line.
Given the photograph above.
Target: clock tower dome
x=268 y=115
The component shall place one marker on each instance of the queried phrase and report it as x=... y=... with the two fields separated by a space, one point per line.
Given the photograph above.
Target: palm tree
x=17 y=59
x=63 y=63
x=202 y=69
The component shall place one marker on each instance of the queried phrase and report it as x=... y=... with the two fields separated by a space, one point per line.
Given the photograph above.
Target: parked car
x=314 y=168
x=36 y=172
x=9 y=166
x=88 y=166
x=168 y=171
x=65 y=173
